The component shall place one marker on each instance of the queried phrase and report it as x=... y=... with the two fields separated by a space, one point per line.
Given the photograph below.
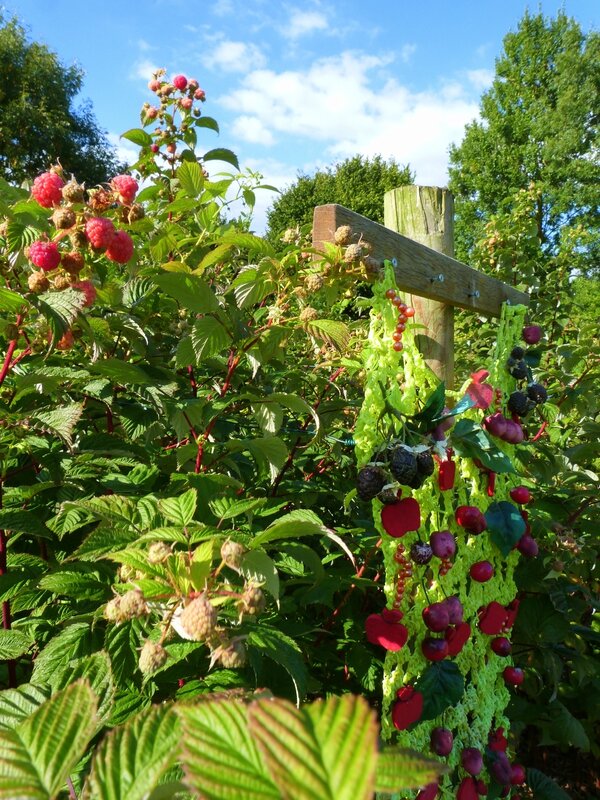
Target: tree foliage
x=40 y=122
x=358 y=183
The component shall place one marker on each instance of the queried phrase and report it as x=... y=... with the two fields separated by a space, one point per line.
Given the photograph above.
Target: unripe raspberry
x=152 y=657
x=200 y=94
x=72 y=262
x=199 y=618
x=136 y=212
x=112 y=611
x=180 y=82
x=158 y=552
x=63 y=218
x=78 y=239
x=44 y=255
x=132 y=605
x=11 y=332
x=100 y=199
x=38 y=282
x=61 y=282
x=193 y=84
x=121 y=248
x=151 y=112
x=73 y=192
x=66 y=341
x=47 y=189
x=343 y=235
x=233 y=656
x=126 y=187
x=252 y=600
x=186 y=103
x=352 y=253
x=154 y=85
x=232 y=553
x=166 y=89
x=126 y=573
x=314 y=282
x=88 y=289
x=100 y=232
x=308 y=314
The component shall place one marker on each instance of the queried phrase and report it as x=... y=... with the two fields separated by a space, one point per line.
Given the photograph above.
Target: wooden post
x=426 y=215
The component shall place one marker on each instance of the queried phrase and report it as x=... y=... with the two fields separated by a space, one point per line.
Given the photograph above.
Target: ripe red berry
x=500 y=768
x=44 y=255
x=429 y=792
x=518 y=775
x=126 y=187
x=481 y=787
x=501 y=646
x=472 y=760
x=397 y=336
x=436 y=617
x=521 y=495
x=514 y=676
x=121 y=248
x=471 y=519
x=390 y=294
x=410 y=312
x=441 y=741
x=398 y=346
x=100 y=232
x=180 y=82
x=89 y=291
x=400 y=327
x=482 y=571
x=47 y=189
x=434 y=649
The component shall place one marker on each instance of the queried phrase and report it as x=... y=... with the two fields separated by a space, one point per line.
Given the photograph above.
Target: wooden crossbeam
x=419 y=269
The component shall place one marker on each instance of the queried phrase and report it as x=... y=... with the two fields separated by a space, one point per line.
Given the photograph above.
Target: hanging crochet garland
x=451 y=515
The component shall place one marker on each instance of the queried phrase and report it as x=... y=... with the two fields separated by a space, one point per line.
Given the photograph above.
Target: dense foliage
x=40 y=121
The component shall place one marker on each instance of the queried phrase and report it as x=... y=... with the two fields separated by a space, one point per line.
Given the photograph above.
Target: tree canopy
x=39 y=121
x=538 y=128
x=358 y=183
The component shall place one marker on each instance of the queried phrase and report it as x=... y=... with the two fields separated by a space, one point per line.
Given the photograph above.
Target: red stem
x=12 y=346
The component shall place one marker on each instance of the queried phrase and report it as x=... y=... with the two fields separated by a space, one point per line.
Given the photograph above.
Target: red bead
x=397 y=335
x=402 y=318
x=397 y=301
x=410 y=312
x=390 y=294
x=400 y=327
x=398 y=346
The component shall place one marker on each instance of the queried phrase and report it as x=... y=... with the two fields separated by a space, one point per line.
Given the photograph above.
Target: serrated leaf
x=180 y=510
x=11 y=301
x=95 y=669
x=442 y=685
x=138 y=136
x=124 y=373
x=207 y=122
x=17 y=704
x=74 y=584
x=284 y=651
x=13 y=644
x=131 y=760
x=39 y=754
x=209 y=337
x=331 y=331
x=399 y=769
x=269 y=453
x=269 y=416
x=60 y=309
x=189 y=290
x=300 y=522
x=257 y=567
x=23 y=521
x=191 y=178
x=75 y=641
x=505 y=524
x=222 y=154
x=61 y=420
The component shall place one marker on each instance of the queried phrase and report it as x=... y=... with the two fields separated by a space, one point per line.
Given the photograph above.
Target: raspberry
x=100 y=199
x=72 y=262
x=136 y=212
x=121 y=248
x=314 y=282
x=421 y=553
x=66 y=341
x=308 y=314
x=63 y=218
x=200 y=94
x=186 y=103
x=352 y=253
x=61 y=282
x=180 y=82
x=132 y=604
x=88 y=289
x=199 y=618
x=47 y=189
x=38 y=282
x=193 y=84
x=126 y=187
x=232 y=553
x=343 y=235
x=100 y=232
x=78 y=239
x=154 y=85
x=233 y=655
x=152 y=657
x=158 y=552
x=369 y=482
x=73 y=192
x=44 y=255
x=537 y=393
x=520 y=404
x=252 y=600
x=403 y=465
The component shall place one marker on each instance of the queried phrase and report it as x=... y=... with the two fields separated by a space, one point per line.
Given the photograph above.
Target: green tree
x=39 y=122
x=539 y=126
x=358 y=183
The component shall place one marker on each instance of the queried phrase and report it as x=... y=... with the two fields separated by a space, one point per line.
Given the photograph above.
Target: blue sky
x=301 y=84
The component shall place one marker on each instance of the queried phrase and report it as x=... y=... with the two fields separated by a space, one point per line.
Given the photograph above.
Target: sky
x=296 y=85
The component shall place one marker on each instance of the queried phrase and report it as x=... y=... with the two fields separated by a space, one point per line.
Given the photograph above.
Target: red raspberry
x=100 y=232
x=47 y=189
x=121 y=248
x=180 y=82
x=126 y=187
x=186 y=103
x=44 y=255
x=88 y=289
x=200 y=94
x=66 y=341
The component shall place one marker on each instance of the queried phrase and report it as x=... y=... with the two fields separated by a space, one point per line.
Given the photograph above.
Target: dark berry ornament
x=369 y=482
x=403 y=465
x=421 y=553
x=537 y=393
x=519 y=404
x=518 y=370
x=425 y=464
x=517 y=353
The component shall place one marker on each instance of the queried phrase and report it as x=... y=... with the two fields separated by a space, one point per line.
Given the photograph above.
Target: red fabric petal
x=391 y=635
x=480 y=375
x=405 y=712
x=482 y=394
x=401 y=517
x=497 y=741
x=446 y=475
x=512 y=609
x=457 y=636
x=391 y=615
x=492 y=619
x=430 y=792
x=467 y=790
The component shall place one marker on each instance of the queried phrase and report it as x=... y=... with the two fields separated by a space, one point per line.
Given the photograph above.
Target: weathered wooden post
x=426 y=214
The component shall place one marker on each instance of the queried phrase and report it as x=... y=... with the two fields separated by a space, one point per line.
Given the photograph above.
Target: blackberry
x=425 y=465
x=517 y=353
x=519 y=370
x=421 y=553
x=369 y=482
x=537 y=393
x=520 y=404
x=403 y=465
x=417 y=481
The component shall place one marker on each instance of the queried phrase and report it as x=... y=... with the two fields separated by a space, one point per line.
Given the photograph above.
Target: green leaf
x=95 y=669
x=434 y=405
x=270 y=453
x=13 y=644
x=269 y=416
x=17 y=704
x=191 y=178
x=11 y=301
x=60 y=309
x=470 y=440
x=74 y=584
x=74 y=641
x=39 y=754
x=61 y=420
x=138 y=136
x=300 y=522
x=131 y=760
x=311 y=753
x=124 y=372
x=209 y=337
x=219 y=754
x=256 y=566
x=274 y=644
x=22 y=521
x=331 y=331
x=442 y=685
x=180 y=510
x=561 y=727
x=207 y=122
x=399 y=769
x=543 y=787
x=505 y=524
x=189 y=290
x=222 y=154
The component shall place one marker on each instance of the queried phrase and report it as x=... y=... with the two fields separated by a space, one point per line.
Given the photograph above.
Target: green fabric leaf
x=442 y=685
x=434 y=405
x=505 y=524
x=470 y=440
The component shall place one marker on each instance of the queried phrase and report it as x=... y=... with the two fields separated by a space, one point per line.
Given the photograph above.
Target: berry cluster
x=404 y=314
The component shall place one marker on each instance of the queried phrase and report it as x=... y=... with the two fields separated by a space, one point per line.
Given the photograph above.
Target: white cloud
x=302 y=22
x=481 y=79
x=407 y=51
x=252 y=129
x=346 y=103
x=142 y=70
x=126 y=152
x=235 y=57
x=222 y=8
